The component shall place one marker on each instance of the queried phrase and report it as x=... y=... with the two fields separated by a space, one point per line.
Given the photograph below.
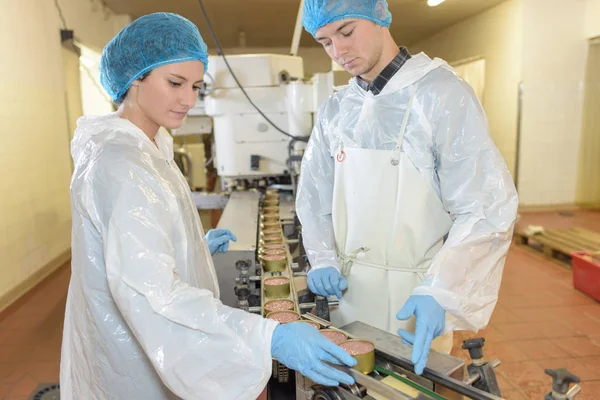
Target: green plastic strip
x=410 y=383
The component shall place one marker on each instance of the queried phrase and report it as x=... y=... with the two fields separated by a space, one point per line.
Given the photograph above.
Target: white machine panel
x=252 y=70
x=267 y=99
x=272 y=162
x=246 y=144
x=238 y=137
x=253 y=128
x=194 y=125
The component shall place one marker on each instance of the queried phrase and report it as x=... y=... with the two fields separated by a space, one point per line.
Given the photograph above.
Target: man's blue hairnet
x=318 y=13
x=145 y=44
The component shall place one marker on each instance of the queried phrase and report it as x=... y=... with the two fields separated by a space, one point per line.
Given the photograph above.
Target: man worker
x=406 y=204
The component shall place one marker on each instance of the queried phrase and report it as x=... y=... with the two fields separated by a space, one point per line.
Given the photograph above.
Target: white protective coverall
x=379 y=190
x=143 y=319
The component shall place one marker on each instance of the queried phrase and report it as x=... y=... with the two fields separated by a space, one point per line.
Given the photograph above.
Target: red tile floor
x=540 y=322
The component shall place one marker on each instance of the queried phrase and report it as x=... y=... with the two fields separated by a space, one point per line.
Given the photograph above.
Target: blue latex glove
x=302 y=348
x=218 y=240
x=326 y=282
x=430 y=323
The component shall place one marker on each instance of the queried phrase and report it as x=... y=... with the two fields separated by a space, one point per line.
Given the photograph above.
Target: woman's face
x=169 y=92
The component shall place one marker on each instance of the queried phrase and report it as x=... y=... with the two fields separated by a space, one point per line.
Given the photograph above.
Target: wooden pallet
x=560 y=243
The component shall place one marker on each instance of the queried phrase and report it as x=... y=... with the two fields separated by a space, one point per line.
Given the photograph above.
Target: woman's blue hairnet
x=318 y=13
x=145 y=44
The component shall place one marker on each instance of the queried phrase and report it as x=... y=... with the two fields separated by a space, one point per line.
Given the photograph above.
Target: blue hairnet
x=318 y=13
x=145 y=44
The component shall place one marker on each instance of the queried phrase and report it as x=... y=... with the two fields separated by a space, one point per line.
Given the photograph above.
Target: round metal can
x=271 y=210
x=271 y=202
x=334 y=335
x=272 y=252
x=278 y=305
x=284 y=317
x=274 y=262
x=271 y=217
x=271 y=231
x=270 y=224
x=313 y=323
x=363 y=352
x=272 y=239
x=277 y=287
x=270 y=246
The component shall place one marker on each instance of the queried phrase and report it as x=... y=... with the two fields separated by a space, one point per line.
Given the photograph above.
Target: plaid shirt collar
x=394 y=66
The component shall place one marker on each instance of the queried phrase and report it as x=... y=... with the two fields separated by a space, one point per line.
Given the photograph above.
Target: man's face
x=354 y=44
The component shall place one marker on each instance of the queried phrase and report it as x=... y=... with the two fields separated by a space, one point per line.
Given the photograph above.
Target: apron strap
x=406 y=115
x=348 y=260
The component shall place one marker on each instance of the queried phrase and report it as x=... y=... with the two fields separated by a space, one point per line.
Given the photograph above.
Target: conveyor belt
x=410 y=383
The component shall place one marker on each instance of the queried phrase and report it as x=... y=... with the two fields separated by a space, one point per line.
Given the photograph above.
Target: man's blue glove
x=302 y=348
x=326 y=282
x=430 y=323
x=218 y=240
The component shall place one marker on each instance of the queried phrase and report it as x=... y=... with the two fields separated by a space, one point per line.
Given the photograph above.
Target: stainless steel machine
x=242 y=273
x=260 y=119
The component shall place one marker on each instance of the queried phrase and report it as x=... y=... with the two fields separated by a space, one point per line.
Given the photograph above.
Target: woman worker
x=143 y=319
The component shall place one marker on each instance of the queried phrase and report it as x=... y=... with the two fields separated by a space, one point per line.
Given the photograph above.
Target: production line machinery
x=264 y=272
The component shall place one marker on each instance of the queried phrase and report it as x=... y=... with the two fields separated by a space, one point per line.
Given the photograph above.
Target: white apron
x=388 y=224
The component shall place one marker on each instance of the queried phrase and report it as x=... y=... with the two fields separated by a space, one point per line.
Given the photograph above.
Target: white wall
x=554 y=54
x=497 y=36
x=592 y=18
x=35 y=222
x=94 y=99
x=542 y=44
x=93 y=25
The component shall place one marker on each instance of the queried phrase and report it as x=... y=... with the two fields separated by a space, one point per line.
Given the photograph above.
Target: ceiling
x=270 y=23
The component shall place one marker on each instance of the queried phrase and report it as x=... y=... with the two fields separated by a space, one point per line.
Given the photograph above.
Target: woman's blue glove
x=326 y=282
x=218 y=240
x=302 y=348
x=430 y=323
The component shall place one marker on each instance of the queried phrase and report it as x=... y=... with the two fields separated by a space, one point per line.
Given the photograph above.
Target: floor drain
x=46 y=392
